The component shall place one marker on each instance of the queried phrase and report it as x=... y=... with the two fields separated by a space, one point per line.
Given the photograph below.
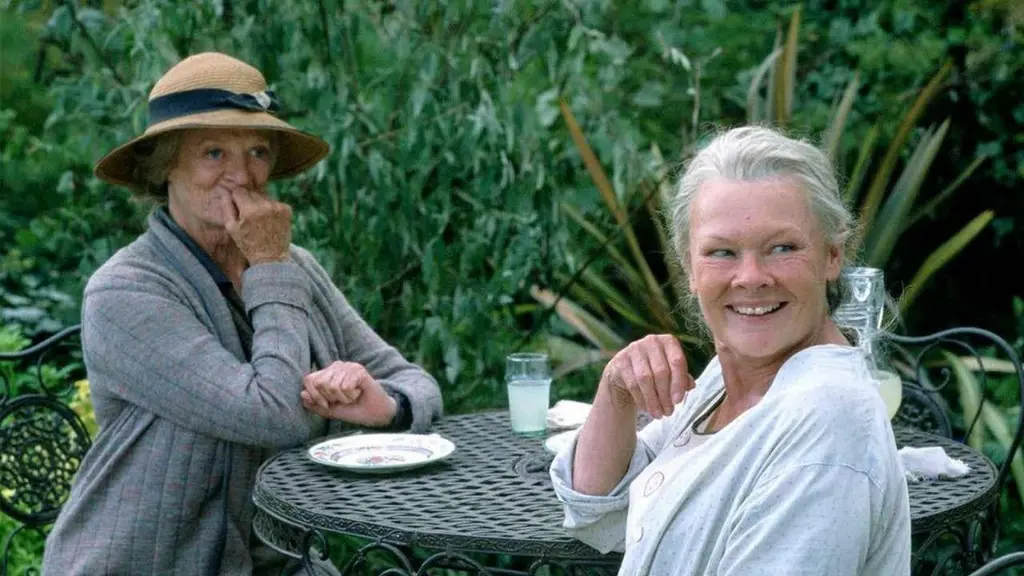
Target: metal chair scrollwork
x=923 y=408
x=999 y=565
x=928 y=366
x=42 y=439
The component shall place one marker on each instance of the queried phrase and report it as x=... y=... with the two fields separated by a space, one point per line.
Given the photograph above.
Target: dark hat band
x=199 y=100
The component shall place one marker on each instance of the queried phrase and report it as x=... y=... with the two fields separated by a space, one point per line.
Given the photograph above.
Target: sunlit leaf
x=656 y=210
x=996 y=422
x=753 y=92
x=970 y=400
x=595 y=331
x=773 y=72
x=887 y=228
x=991 y=419
x=658 y=302
x=860 y=169
x=609 y=295
x=835 y=128
x=568 y=356
x=625 y=267
x=583 y=294
x=785 y=79
x=667 y=250
x=597 y=174
x=987 y=364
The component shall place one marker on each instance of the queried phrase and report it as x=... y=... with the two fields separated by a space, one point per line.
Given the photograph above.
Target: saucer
x=380 y=453
x=554 y=444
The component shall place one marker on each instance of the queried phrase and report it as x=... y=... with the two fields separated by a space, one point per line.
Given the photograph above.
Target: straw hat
x=213 y=90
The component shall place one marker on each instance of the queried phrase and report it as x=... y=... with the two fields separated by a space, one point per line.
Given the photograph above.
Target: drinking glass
x=528 y=379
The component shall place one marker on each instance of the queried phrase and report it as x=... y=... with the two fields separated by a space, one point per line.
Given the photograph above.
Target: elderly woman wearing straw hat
x=211 y=340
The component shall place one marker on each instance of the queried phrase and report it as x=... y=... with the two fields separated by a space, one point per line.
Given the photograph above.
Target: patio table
x=493 y=496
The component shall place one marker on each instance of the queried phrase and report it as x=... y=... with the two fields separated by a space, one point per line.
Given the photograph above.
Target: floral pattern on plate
x=381 y=452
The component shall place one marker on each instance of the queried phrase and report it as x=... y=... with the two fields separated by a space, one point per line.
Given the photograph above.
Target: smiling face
x=212 y=163
x=758 y=264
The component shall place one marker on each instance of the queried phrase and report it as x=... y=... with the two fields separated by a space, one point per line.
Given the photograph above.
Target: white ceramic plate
x=554 y=444
x=380 y=453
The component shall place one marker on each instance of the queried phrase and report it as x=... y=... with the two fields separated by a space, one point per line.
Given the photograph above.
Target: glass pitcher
x=861 y=311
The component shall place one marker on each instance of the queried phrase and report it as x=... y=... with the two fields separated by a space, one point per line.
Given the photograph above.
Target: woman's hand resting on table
x=346 y=391
x=649 y=374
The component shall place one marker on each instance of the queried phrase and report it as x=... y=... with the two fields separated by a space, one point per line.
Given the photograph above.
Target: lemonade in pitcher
x=861 y=312
x=890 y=387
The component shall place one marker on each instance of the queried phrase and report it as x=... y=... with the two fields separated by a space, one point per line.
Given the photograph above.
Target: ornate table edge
x=294 y=518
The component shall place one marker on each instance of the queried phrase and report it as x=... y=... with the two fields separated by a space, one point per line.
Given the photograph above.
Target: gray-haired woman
x=211 y=340
x=778 y=458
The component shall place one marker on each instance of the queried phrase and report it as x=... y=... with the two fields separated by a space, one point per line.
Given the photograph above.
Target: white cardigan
x=807 y=482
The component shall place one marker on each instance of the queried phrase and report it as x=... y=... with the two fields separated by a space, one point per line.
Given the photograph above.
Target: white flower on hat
x=263 y=99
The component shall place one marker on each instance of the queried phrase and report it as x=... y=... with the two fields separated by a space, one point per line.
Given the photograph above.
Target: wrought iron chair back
x=1001 y=565
x=42 y=439
x=928 y=365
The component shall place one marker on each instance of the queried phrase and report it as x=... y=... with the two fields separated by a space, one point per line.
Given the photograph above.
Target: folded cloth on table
x=930 y=463
x=568 y=414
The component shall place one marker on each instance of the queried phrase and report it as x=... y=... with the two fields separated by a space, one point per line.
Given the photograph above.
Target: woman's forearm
x=605 y=446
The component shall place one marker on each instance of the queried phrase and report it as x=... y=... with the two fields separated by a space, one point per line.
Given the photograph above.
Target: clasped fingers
x=341 y=382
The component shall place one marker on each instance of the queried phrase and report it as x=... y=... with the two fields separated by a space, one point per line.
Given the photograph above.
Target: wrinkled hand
x=261 y=227
x=649 y=374
x=346 y=391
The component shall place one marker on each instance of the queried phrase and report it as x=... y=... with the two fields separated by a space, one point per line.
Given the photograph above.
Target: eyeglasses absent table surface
x=493 y=496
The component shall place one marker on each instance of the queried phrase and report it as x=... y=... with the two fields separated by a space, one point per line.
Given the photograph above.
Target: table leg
x=958 y=548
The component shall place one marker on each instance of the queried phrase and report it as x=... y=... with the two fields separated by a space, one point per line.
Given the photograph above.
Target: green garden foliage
x=457 y=203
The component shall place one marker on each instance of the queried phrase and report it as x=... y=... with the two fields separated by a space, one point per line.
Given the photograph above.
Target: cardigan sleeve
x=383 y=361
x=600 y=521
x=146 y=347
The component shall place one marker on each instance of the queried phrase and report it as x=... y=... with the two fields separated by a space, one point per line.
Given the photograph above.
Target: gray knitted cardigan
x=174 y=395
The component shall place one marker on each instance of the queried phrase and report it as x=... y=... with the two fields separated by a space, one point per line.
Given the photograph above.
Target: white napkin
x=568 y=414
x=930 y=463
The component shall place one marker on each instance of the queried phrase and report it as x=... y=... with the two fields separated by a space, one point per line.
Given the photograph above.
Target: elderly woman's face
x=211 y=164
x=758 y=265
